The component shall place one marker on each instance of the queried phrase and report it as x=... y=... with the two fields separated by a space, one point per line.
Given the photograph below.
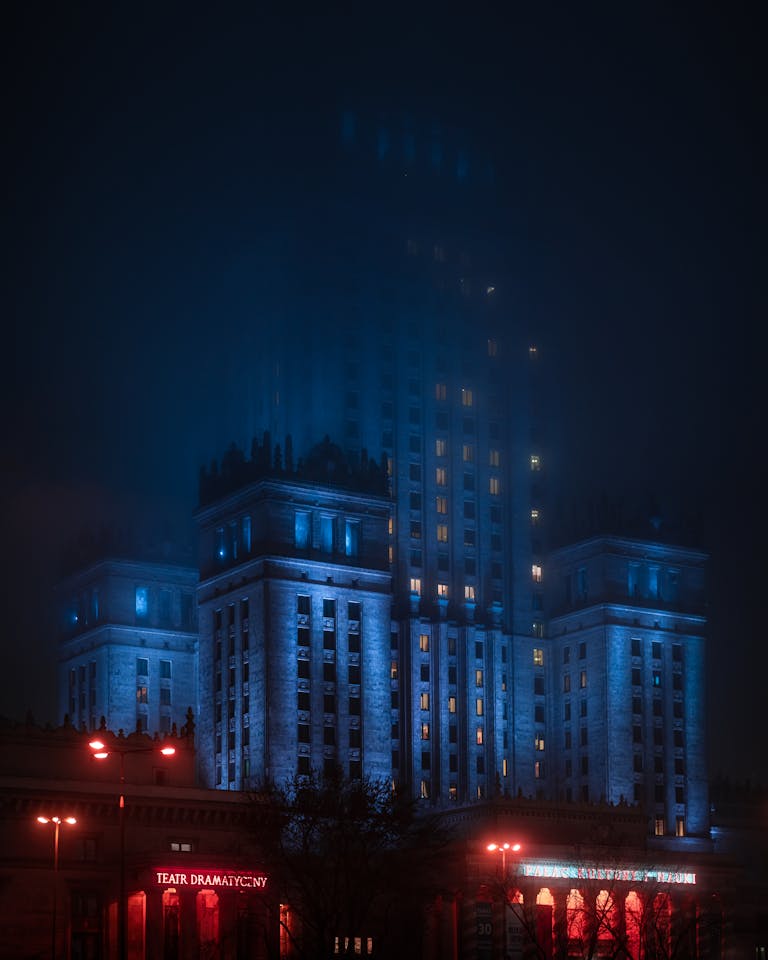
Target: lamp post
x=503 y=849
x=57 y=822
x=100 y=752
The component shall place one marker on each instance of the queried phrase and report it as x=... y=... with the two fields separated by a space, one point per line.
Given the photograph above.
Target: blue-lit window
x=246 y=530
x=301 y=530
x=221 y=544
x=142 y=601
x=352 y=538
x=326 y=534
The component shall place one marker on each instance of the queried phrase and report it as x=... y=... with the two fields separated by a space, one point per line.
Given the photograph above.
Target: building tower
x=294 y=610
x=128 y=645
x=626 y=679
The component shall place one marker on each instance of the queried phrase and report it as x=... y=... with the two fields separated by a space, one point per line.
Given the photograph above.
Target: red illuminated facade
x=587 y=880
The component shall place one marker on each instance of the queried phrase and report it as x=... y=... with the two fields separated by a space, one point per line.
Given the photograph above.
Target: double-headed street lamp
x=57 y=822
x=503 y=849
x=100 y=752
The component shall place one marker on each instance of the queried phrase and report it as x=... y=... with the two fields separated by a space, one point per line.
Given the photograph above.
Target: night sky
x=153 y=152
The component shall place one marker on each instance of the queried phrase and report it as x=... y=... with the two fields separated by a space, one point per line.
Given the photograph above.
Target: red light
x=168 y=751
x=96 y=745
x=101 y=756
x=42 y=820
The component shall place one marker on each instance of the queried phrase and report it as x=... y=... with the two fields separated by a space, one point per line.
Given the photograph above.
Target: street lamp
x=503 y=849
x=57 y=822
x=100 y=752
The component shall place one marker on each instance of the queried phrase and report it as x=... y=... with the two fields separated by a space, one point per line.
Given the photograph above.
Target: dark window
x=329 y=607
x=637 y=762
x=656 y=650
x=303 y=699
x=329 y=703
x=425 y=672
x=414 y=500
x=452 y=733
x=538 y=686
x=635 y=646
x=354 y=706
x=303 y=733
x=329 y=736
x=538 y=713
x=582 y=651
x=329 y=672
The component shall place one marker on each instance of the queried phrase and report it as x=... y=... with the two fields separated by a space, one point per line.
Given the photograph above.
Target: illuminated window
x=467 y=453
x=351 y=537
x=141 y=694
x=424 y=791
x=390 y=553
x=453 y=792
x=535 y=462
x=440 y=391
x=142 y=601
x=441 y=447
x=679 y=826
x=416 y=586
x=442 y=532
x=494 y=486
x=469 y=591
x=537 y=628
x=535 y=515
x=424 y=642
x=425 y=731
x=539 y=741
x=442 y=590
x=466 y=397
x=583 y=679
x=393 y=670
x=479 y=706
x=441 y=476
x=442 y=504
x=533 y=352
x=415 y=529
x=494 y=458
x=538 y=657
x=451 y=704
x=424 y=700
x=538 y=769
x=567 y=683
x=479 y=736
x=659 y=826
x=493 y=346
x=390 y=526
x=478 y=678
x=536 y=573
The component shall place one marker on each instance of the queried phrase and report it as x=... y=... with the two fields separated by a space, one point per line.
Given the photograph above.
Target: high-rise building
x=373 y=570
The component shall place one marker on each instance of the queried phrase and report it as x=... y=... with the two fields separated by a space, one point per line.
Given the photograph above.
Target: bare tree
x=355 y=863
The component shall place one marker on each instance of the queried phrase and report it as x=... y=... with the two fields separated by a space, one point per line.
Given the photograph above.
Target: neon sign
x=570 y=871
x=210 y=878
